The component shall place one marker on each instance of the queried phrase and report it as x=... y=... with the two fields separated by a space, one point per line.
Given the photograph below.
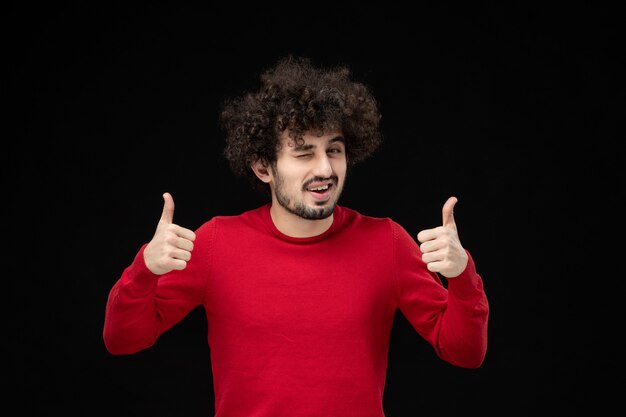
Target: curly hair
x=300 y=98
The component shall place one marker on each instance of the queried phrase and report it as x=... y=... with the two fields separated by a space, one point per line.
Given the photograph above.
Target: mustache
x=333 y=178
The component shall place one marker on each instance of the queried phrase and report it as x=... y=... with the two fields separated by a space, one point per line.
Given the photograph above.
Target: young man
x=300 y=293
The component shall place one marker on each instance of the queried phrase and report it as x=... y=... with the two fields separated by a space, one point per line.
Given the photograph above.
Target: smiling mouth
x=321 y=189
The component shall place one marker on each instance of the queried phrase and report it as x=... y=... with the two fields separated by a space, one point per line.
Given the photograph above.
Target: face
x=308 y=178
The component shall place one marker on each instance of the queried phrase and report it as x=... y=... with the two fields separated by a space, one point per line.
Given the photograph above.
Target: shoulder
x=234 y=223
x=384 y=224
x=350 y=217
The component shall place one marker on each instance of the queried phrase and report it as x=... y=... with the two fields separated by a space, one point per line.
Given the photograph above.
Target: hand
x=441 y=248
x=171 y=245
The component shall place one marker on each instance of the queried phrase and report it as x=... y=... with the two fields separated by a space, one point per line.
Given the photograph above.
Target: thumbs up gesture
x=441 y=248
x=171 y=245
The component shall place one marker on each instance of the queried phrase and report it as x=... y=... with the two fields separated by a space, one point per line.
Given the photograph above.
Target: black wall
x=516 y=110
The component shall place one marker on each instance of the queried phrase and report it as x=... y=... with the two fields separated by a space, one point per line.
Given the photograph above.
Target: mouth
x=320 y=192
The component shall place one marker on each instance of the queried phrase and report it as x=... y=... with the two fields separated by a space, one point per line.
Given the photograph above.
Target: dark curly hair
x=297 y=96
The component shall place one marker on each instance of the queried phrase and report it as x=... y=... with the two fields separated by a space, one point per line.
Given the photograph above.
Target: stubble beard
x=299 y=208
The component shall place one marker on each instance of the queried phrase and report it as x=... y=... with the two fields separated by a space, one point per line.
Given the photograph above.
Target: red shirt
x=301 y=326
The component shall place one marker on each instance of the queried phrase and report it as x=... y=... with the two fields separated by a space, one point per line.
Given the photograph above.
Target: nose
x=323 y=167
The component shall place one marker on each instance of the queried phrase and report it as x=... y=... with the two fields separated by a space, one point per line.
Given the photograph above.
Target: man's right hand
x=171 y=245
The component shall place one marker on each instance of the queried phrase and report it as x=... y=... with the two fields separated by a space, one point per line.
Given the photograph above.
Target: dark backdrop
x=513 y=109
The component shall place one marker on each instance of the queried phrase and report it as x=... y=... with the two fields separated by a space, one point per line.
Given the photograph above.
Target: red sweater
x=301 y=326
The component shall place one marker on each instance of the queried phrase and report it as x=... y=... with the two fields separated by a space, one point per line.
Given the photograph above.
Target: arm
x=156 y=291
x=452 y=320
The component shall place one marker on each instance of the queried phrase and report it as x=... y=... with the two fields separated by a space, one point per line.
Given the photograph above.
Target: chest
x=301 y=288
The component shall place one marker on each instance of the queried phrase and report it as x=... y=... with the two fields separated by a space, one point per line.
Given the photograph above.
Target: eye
x=303 y=155
x=334 y=150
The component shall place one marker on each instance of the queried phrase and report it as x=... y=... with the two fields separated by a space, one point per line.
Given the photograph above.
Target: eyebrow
x=308 y=146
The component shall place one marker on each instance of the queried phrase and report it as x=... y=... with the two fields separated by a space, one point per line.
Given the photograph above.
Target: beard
x=299 y=208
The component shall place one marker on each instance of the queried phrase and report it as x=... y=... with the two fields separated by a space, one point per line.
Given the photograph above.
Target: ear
x=262 y=170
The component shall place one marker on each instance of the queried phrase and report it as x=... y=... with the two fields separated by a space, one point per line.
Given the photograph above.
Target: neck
x=295 y=226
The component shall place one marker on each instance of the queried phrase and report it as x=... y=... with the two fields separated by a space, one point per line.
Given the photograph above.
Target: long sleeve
x=300 y=326
x=141 y=305
x=454 y=319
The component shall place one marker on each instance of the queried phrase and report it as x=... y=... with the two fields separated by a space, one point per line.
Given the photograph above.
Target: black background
x=515 y=109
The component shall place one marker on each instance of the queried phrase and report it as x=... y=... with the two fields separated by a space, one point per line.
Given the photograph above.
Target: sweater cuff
x=139 y=279
x=468 y=282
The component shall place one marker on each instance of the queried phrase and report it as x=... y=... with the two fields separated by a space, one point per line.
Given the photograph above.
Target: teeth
x=325 y=187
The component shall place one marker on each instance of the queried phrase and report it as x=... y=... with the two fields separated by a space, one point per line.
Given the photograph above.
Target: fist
x=171 y=245
x=441 y=248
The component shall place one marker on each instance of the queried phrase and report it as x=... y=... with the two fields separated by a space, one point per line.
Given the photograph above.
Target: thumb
x=448 y=212
x=168 y=208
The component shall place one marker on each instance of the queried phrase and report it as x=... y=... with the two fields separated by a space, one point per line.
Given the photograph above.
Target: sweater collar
x=267 y=219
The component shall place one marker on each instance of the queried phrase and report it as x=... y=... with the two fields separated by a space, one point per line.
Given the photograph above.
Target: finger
x=448 y=212
x=425 y=235
x=430 y=234
x=178 y=264
x=421 y=236
x=434 y=266
x=432 y=245
x=168 y=208
x=185 y=233
x=184 y=244
x=432 y=257
x=183 y=255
